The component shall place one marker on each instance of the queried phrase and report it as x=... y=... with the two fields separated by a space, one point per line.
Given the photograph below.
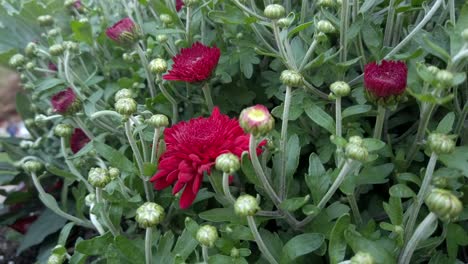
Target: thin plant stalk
x=170 y=98
x=208 y=99
x=154 y=149
x=144 y=62
x=379 y=122
x=226 y=190
x=258 y=239
x=72 y=167
x=283 y=141
x=425 y=116
x=344 y=30
x=104 y=215
x=148 y=244
x=205 y=254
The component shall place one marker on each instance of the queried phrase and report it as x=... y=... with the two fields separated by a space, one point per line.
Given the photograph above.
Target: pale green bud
x=274 y=11
x=207 y=235
x=228 y=163
x=63 y=130
x=149 y=215
x=56 y=50
x=246 y=205
x=126 y=106
x=158 y=121
x=340 y=88
x=291 y=78
x=98 y=177
x=158 y=66
x=444 y=204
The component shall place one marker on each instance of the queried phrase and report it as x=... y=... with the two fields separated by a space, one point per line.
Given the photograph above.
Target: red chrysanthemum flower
x=385 y=79
x=179 y=4
x=78 y=5
x=123 y=32
x=78 y=140
x=65 y=102
x=52 y=66
x=192 y=148
x=194 y=64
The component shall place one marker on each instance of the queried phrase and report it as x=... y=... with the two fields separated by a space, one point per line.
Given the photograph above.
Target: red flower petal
x=385 y=79
x=125 y=25
x=191 y=150
x=179 y=5
x=194 y=64
x=78 y=140
x=62 y=101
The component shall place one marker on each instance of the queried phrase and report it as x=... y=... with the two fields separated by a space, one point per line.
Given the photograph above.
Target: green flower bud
x=235 y=253
x=28 y=86
x=440 y=182
x=362 y=258
x=445 y=78
x=191 y=2
x=325 y=26
x=45 y=21
x=90 y=199
x=166 y=19
x=464 y=34
x=256 y=120
x=284 y=22
x=228 y=163
x=126 y=106
x=158 y=121
x=56 y=259
x=72 y=46
x=32 y=166
x=63 y=130
x=30 y=66
x=274 y=11
x=291 y=78
x=326 y=3
x=340 y=88
x=444 y=204
x=207 y=235
x=17 y=60
x=25 y=144
x=53 y=32
x=123 y=93
x=114 y=173
x=56 y=50
x=98 y=177
x=149 y=215
x=246 y=205
x=355 y=150
x=83 y=20
x=127 y=57
x=31 y=49
x=161 y=38
x=433 y=70
x=157 y=66
x=356 y=140
x=440 y=143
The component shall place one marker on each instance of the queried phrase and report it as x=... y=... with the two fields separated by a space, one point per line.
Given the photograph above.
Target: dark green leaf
x=301 y=245
x=337 y=244
x=82 y=32
x=446 y=124
x=132 y=252
x=292 y=204
x=355 y=110
x=457 y=160
x=316 y=179
x=374 y=247
x=401 y=191
x=94 y=246
x=320 y=117
x=115 y=158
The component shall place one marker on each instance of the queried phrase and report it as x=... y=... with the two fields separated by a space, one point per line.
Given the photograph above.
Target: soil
x=8 y=251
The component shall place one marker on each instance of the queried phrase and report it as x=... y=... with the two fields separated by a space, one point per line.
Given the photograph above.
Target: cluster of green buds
x=291 y=78
x=149 y=215
x=228 y=163
x=99 y=177
x=158 y=121
x=158 y=66
x=207 y=235
x=440 y=143
x=356 y=150
x=17 y=60
x=340 y=89
x=246 y=205
x=444 y=204
x=274 y=11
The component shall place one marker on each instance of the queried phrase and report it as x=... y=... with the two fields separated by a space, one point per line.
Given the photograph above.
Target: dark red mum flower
x=123 y=32
x=385 y=79
x=192 y=148
x=65 y=102
x=22 y=225
x=194 y=64
x=78 y=5
x=78 y=140
x=52 y=66
x=179 y=4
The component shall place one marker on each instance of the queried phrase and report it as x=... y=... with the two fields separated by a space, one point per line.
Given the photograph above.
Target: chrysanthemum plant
x=239 y=131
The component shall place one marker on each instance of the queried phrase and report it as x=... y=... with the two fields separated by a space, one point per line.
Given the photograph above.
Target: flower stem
x=226 y=190
x=336 y=184
x=421 y=231
x=425 y=116
x=187 y=25
x=258 y=239
x=389 y=24
x=69 y=79
x=154 y=150
x=283 y=141
x=207 y=93
x=355 y=209
x=280 y=44
x=309 y=53
x=103 y=212
x=171 y=99
x=72 y=167
x=144 y=63
x=206 y=257
x=54 y=207
x=148 y=244
x=344 y=19
x=339 y=130
x=414 y=211
x=379 y=121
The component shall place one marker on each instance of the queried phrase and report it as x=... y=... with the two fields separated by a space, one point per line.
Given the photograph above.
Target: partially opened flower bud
x=56 y=49
x=124 y=32
x=362 y=258
x=355 y=149
x=149 y=215
x=157 y=66
x=63 y=130
x=45 y=21
x=274 y=11
x=158 y=121
x=440 y=143
x=325 y=26
x=445 y=78
x=444 y=204
x=291 y=78
x=123 y=93
x=32 y=166
x=126 y=106
x=227 y=163
x=17 y=60
x=385 y=82
x=114 y=173
x=98 y=177
x=256 y=120
x=66 y=102
x=207 y=235
x=246 y=205
x=340 y=88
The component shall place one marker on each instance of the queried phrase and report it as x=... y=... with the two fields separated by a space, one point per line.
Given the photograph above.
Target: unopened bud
x=17 y=60
x=340 y=88
x=325 y=26
x=123 y=93
x=355 y=150
x=362 y=258
x=98 y=177
x=284 y=22
x=31 y=166
x=433 y=70
x=326 y=3
x=444 y=204
x=45 y=21
x=440 y=143
x=126 y=106
x=227 y=163
x=166 y=19
x=90 y=199
x=246 y=205
x=274 y=11
x=157 y=66
x=445 y=78
x=207 y=235
x=291 y=78
x=149 y=215
x=158 y=121
x=161 y=38
x=56 y=50
x=31 y=49
x=464 y=34
x=63 y=130
x=256 y=120
x=114 y=173
x=53 y=32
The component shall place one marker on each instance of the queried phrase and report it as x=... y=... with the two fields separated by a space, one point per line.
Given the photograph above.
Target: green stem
x=55 y=208
x=247 y=10
x=280 y=45
x=103 y=213
x=336 y=184
x=68 y=77
x=170 y=98
x=420 y=232
x=389 y=24
x=206 y=257
x=355 y=209
x=187 y=25
x=283 y=141
x=148 y=244
x=105 y=113
x=142 y=140
x=72 y=167
x=208 y=99
x=309 y=53
x=344 y=23
x=413 y=213
x=154 y=150
x=425 y=116
x=258 y=239
x=144 y=63
x=315 y=91
x=379 y=121
x=226 y=190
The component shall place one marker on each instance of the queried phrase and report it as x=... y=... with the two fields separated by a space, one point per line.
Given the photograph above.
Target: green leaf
x=458 y=159
x=219 y=215
x=355 y=110
x=336 y=210
x=301 y=245
x=374 y=247
x=115 y=158
x=185 y=245
x=65 y=233
x=149 y=169
x=47 y=84
x=292 y=204
x=337 y=244
x=436 y=50
x=95 y=246
x=82 y=32
x=133 y=252
x=316 y=179
x=456 y=236
x=293 y=151
x=47 y=223
x=394 y=210
x=248 y=170
x=300 y=28
x=320 y=117
x=59 y=172
x=23 y=106
x=401 y=191
x=446 y=124
x=374 y=175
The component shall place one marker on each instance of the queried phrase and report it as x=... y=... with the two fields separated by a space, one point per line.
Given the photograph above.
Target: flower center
x=257 y=115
